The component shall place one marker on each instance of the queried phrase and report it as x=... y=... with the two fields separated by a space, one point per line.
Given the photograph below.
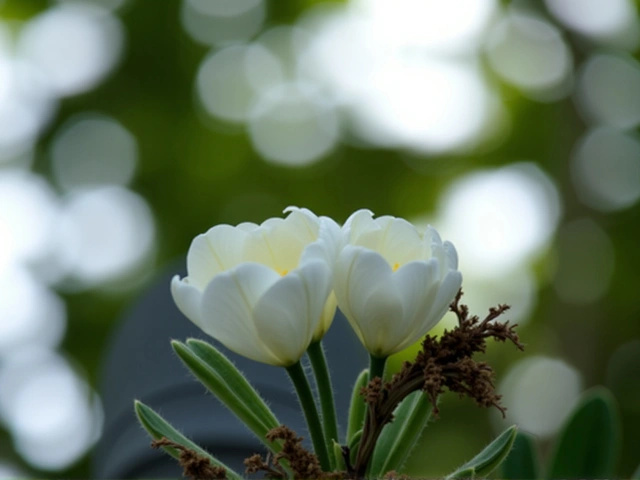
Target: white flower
x=262 y=290
x=392 y=282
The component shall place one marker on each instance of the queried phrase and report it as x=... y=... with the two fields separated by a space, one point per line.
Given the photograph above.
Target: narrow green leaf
x=636 y=474
x=490 y=458
x=158 y=427
x=400 y=436
x=522 y=461
x=353 y=446
x=357 y=408
x=234 y=379
x=464 y=473
x=221 y=378
x=337 y=453
x=589 y=443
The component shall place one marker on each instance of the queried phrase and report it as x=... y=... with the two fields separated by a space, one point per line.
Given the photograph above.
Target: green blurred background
x=129 y=126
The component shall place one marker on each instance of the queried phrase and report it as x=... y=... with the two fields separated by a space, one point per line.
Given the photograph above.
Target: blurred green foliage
x=195 y=176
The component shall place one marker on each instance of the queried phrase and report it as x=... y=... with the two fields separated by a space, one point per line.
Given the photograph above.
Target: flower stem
x=325 y=392
x=303 y=389
x=376 y=367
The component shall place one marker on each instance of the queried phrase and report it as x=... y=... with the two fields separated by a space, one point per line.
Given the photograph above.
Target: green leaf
x=464 y=473
x=636 y=474
x=233 y=378
x=353 y=446
x=224 y=380
x=357 y=408
x=522 y=461
x=589 y=444
x=490 y=458
x=337 y=453
x=158 y=427
x=400 y=436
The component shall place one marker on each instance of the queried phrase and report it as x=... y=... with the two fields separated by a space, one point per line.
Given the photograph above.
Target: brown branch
x=444 y=363
x=195 y=466
x=303 y=463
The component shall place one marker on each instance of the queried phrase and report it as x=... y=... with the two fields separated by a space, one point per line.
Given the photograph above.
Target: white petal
x=423 y=320
x=401 y=242
x=305 y=221
x=187 y=298
x=328 y=314
x=328 y=246
x=452 y=255
x=287 y=315
x=414 y=282
x=367 y=296
x=227 y=309
x=247 y=226
x=381 y=320
x=279 y=246
x=431 y=236
x=446 y=293
x=213 y=252
x=359 y=222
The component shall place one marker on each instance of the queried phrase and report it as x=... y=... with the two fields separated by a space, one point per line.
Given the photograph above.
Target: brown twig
x=442 y=364
x=194 y=465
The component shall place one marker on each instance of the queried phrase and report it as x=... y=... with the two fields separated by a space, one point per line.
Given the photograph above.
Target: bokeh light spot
x=539 y=393
x=500 y=219
x=606 y=169
x=445 y=27
x=73 y=45
x=599 y=19
x=28 y=210
x=223 y=8
x=423 y=104
x=608 y=90
x=213 y=22
x=530 y=54
x=52 y=413
x=108 y=4
x=30 y=314
x=104 y=234
x=93 y=150
x=230 y=80
x=292 y=125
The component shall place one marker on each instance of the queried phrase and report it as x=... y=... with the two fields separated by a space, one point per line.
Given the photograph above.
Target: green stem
x=303 y=389
x=376 y=367
x=325 y=392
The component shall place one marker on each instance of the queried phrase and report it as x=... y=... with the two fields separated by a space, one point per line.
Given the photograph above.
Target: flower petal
x=287 y=315
x=328 y=314
x=187 y=298
x=401 y=242
x=228 y=304
x=446 y=293
x=359 y=222
x=304 y=222
x=367 y=296
x=213 y=252
x=414 y=282
x=330 y=243
x=452 y=256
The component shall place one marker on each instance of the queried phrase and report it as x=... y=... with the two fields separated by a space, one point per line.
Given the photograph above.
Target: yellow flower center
x=396 y=267
x=284 y=272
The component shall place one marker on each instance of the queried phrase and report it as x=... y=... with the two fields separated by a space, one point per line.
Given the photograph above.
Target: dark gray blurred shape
x=140 y=364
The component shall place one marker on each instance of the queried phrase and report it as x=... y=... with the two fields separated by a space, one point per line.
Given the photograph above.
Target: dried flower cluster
x=303 y=463
x=444 y=363
x=194 y=465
